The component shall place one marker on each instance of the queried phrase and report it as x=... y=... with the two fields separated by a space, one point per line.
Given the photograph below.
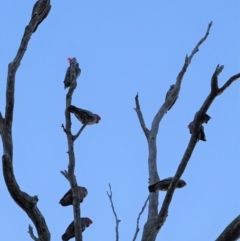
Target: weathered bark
x=71 y=166
x=24 y=200
x=151 y=227
x=231 y=232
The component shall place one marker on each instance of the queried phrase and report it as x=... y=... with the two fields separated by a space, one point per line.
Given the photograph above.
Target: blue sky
x=123 y=47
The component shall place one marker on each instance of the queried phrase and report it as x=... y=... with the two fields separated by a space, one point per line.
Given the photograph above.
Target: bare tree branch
x=79 y=132
x=186 y=157
x=71 y=166
x=30 y=231
x=115 y=214
x=65 y=174
x=140 y=117
x=189 y=59
x=25 y=201
x=231 y=232
x=228 y=83
x=156 y=220
x=138 y=219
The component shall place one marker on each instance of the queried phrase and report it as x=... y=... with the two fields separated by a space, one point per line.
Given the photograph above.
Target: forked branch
x=114 y=212
x=193 y=140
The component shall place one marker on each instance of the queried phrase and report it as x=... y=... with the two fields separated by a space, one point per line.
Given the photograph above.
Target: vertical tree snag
x=71 y=138
x=156 y=220
x=150 y=231
x=25 y=201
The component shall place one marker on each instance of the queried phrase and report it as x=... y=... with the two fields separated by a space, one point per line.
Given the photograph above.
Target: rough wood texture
x=156 y=219
x=24 y=200
x=152 y=226
x=71 y=166
x=231 y=232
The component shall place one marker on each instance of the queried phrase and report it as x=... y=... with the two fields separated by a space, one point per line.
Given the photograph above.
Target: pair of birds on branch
x=86 y=117
x=205 y=118
x=67 y=200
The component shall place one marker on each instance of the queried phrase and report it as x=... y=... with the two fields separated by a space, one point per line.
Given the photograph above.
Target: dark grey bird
x=168 y=93
x=164 y=184
x=67 y=199
x=70 y=231
x=86 y=117
x=204 y=119
x=74 y=64
x=42 y=9
x=201 y=135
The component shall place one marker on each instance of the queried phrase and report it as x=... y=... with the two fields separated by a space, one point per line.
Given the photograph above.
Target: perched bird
x=204 y=119
x=201 y=135
x=168 y=93
x=164 y=184
x=74 y=64
x=70 y=231
x=67 y=199
x=86 y=117
x=42 y=9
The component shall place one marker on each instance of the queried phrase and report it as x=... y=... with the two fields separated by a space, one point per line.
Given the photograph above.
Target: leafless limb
x=228 y=83
x=186 y=157
x=65 y=174
x=149 y=232
x=71 y=166
x=231 y=232
x=24 y=200
x=79 y=132
x=30 y=231
x=64 y=129
x=138 y=219
x=115 y=214
x=140 y=117
x=189 y=59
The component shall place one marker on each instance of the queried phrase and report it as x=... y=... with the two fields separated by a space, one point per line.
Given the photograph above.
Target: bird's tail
x=72 y=108
x=152 y=188
x=64 y=237
x=64 y=204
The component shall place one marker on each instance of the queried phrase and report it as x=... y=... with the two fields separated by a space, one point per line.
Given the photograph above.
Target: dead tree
x=25 y=201
x=156 y=219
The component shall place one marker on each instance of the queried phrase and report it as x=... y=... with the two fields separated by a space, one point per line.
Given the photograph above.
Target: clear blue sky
x=123 y=48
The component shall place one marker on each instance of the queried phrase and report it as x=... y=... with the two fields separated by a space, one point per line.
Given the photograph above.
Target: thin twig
x=138 y=219
x=65 y=174
x=228 y=83
x=140 y=117
x=64 y=129
x=79 y=132
x=194 y=51
x=115 y=214
x=30 y=231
